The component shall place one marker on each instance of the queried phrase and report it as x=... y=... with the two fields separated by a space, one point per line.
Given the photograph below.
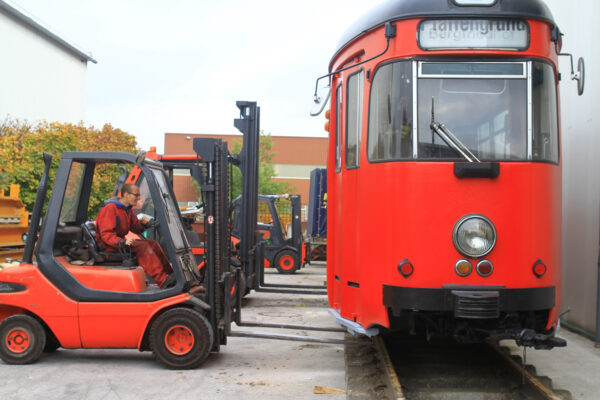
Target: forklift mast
x=296 y=238
x=215 y=188
x=247 y=160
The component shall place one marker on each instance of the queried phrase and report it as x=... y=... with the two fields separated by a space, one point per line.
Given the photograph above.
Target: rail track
x=409 y=368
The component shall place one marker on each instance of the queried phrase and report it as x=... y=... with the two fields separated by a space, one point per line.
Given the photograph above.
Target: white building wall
x=578 y=20
x=39 y=79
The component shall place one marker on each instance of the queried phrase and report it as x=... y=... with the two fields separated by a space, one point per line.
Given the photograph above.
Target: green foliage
x=266 y=169
x=22 y=145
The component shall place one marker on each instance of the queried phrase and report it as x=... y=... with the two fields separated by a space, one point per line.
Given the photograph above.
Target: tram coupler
x=539 y=341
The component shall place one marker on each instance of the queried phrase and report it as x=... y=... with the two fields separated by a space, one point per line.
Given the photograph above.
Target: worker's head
x=130 y=194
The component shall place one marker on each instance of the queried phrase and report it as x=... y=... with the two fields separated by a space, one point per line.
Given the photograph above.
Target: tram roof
x=394 y=10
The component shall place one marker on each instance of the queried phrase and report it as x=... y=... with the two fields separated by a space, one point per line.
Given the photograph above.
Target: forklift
x=283 y=250
x=50 y=301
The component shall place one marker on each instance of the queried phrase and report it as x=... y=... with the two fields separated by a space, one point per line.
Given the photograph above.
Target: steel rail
x=394 y=387
x=533 y=382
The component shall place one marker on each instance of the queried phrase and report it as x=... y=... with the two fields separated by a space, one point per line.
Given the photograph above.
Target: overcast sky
x=179 y=66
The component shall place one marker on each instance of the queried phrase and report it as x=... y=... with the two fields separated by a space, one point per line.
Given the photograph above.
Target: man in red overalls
x=116 y=219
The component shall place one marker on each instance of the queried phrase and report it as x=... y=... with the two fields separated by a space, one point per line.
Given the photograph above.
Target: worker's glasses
x=135 y=194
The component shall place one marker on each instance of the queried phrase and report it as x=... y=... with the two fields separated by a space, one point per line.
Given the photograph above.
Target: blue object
x=317 y=204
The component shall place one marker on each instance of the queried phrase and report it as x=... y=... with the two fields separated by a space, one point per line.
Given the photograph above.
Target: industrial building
x=43 y=75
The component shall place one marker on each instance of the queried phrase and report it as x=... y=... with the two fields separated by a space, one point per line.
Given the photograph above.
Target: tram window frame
x=535 y=118
x=358 y=122
x=339 y=98
x=409 y=105
x=523 y=154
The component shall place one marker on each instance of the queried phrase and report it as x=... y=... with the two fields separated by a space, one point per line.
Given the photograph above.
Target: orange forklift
x=50 y=300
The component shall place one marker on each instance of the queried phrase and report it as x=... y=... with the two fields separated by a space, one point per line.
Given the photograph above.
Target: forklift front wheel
x=181 y=338
x=22 y=339
x=287 y=261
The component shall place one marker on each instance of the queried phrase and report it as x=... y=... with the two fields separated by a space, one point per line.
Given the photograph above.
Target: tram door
x=335 y=205
x=350 y=192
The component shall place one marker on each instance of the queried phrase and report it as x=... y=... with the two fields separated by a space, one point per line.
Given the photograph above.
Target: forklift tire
x=22 y=339
x=181 y=338
x=287 y=261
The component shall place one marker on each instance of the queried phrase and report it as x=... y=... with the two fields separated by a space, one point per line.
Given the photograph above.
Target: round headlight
x=474 y=236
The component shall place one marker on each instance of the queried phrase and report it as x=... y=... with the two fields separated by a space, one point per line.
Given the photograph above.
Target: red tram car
x=444 y=174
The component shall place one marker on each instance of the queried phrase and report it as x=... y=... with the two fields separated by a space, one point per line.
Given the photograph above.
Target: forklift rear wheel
x=22 y=339
x=287 y=261
x=181 y=338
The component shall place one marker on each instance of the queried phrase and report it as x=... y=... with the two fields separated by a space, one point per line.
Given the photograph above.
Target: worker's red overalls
x=114 y=221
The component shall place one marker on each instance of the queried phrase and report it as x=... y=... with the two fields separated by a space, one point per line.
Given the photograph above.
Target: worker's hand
x=130 y=241
x=145 y=220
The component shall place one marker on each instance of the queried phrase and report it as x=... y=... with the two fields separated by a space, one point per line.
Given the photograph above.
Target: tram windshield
x=484 y=104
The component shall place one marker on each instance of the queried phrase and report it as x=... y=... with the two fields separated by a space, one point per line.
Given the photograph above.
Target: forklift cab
x=70 y=209
x=272 y=231
x=283 y=248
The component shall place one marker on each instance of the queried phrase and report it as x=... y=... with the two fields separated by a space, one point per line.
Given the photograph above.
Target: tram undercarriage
x=527 y=328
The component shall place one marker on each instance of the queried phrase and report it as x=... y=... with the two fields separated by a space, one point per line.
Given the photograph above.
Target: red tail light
x=539 y=268
x=406 y=268
x=485 y=268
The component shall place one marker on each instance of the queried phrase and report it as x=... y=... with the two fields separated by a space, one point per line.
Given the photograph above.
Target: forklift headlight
x=474 y=236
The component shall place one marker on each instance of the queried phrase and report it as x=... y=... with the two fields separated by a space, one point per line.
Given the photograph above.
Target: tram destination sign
x=501 y=34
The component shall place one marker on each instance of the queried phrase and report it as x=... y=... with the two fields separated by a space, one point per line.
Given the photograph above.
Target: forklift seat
x=88 y=230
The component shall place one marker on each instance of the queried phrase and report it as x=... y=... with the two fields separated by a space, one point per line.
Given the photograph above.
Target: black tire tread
x=38 y=337
x=197 y=322
x=288 y=252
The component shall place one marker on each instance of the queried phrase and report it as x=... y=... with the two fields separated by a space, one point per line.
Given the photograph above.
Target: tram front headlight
x=474 y=236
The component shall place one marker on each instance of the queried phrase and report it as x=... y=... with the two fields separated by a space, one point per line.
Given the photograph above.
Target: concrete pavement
x=246 y=368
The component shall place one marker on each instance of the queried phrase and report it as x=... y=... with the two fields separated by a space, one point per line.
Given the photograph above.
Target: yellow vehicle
x=14 y=224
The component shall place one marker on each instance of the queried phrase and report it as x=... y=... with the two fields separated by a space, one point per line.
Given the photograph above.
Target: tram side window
x=338 y=129
x=354 y=119
x=545 y=118
x=391 y=113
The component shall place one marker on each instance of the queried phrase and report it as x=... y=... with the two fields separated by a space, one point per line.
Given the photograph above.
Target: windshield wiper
x=450 y=139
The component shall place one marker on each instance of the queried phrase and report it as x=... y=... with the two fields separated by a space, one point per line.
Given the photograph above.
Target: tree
x=266 y=169
x=22 y=145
